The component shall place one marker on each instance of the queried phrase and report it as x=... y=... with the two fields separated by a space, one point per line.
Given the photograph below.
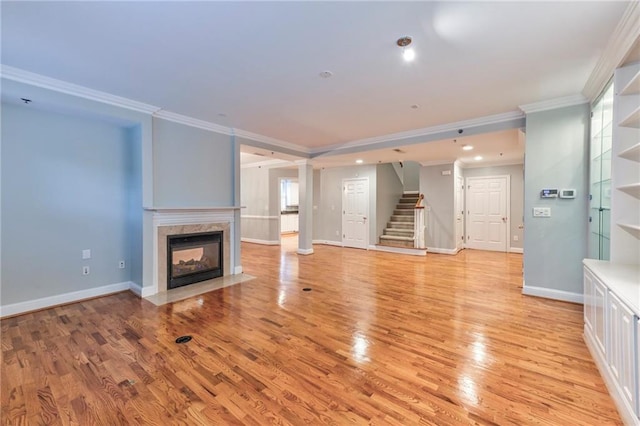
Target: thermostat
x=567 y=193
x=549 y=193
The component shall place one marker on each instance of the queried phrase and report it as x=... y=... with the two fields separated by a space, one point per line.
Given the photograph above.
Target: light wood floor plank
x=380 y=339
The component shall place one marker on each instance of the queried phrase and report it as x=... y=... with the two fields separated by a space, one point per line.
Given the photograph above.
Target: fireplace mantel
x=178 y=220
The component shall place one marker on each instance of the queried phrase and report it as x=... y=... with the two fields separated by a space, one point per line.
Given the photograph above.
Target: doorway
x=355 y=213
x=487 y=221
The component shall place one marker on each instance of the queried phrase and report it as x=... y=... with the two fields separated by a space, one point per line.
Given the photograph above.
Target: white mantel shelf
x=191 y=209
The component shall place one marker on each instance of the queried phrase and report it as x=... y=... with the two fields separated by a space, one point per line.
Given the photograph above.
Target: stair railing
x=418 y=223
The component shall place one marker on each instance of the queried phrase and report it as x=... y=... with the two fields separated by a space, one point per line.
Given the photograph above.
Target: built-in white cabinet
x=625 y=202
x=288 y=223
x=622 y=346
x=638 y=365
x=611 y=329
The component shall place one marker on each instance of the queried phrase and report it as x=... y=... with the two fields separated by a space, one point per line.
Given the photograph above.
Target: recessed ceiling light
x=478 y=157
x=407 y=52
x=326 y=74
x=467 y=147
x=359 y=161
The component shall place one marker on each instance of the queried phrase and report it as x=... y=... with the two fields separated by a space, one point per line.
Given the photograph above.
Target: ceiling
x=255 y=66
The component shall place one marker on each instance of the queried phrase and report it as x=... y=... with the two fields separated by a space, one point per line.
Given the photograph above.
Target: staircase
x=399 y=230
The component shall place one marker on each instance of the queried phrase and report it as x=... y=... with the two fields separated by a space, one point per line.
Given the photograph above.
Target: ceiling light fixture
x=359 y=161
x=478 y=157
x=467 y=147
x=407 y=52
x=326 y=74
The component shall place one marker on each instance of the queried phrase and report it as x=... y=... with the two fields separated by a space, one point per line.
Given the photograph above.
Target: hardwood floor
x=380 y=339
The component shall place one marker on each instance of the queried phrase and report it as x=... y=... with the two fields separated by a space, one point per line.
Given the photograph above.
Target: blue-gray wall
x=389 y=190
x=556 y=156
x=67 y=185
x=192 y=167
x=438 y=193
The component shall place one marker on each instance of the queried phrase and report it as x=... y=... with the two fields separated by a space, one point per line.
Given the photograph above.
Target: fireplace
x=192 y=258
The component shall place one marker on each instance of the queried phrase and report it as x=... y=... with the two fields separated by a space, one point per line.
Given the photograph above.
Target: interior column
x=305 y=208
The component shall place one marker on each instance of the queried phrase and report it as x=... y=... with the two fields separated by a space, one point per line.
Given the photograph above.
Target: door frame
x=367 y=210
x=507 y=207
x=460 y=243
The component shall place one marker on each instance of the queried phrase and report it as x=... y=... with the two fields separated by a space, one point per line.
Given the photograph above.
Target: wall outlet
x=121 y=264
x=85 y=270
x=86 y=254
x=515 y=238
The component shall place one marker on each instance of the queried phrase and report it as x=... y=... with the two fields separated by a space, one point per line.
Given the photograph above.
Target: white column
x=305 y=207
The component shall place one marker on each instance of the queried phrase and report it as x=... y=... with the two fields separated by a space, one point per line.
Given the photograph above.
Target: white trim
x=399 y=250
x=271 y=141
x=550 y=293
x=192 y=122
x=139 y=290
x=436 y=163
x=625 y=411
x=175 y=210
x=305 y=251
x=38 y=80
x=264 y=242
x=516 y=250
x=425 y=131
x=62 y=299
x=442 y=250
x=616 y=50
x=327 y=242
x=267 y=164
x=554 y=103
x=411 y=192
x=251 y=216
x=480 y=165
x=237 y=270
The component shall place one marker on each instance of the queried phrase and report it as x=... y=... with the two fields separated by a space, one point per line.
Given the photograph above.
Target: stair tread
x=395 y=237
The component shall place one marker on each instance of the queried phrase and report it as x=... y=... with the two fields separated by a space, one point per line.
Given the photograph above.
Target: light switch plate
x=542 y=212
x=86 y=254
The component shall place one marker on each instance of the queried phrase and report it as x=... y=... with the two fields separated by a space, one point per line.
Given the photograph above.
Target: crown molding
x=268 y=164
x=426 y=131
x=619 y=44
x=38 y=80
x=270 y=141
x=554 y=103
x=193 y=122
x=437 y=163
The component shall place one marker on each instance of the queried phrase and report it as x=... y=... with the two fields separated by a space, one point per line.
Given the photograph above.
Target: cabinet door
x=599 y=315
x=622 y=347
x=588 y=301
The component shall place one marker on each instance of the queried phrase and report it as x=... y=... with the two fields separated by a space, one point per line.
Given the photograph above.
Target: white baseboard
x=265 y=242
x=327 y=242
x=305 y=251
x=400 y=250
x=237 y=270
x=550 y=293
x=516 y=250
x=61 y=299
x=141 y=291
x=442 y=251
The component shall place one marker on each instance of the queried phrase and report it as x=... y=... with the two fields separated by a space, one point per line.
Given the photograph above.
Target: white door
x=355 y=213
x=459 y=212
x=487 y=218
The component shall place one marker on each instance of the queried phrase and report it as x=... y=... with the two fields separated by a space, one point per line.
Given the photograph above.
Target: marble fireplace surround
x=187 y=221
